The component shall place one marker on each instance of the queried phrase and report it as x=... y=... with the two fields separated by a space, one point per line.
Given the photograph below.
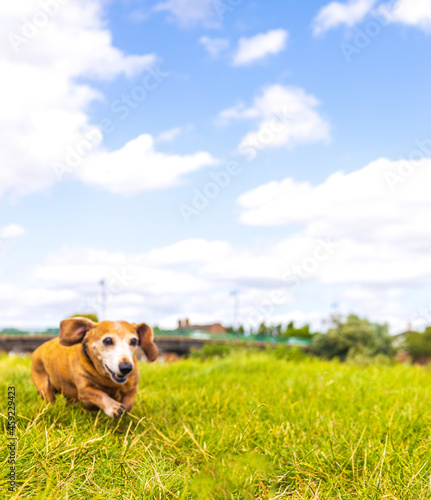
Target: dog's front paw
x=115 y=410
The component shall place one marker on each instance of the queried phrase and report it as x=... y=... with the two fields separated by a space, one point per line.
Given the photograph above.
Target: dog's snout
x=125 y=368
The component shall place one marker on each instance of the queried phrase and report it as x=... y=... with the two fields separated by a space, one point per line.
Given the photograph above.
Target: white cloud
x=385 y=232
x=43 y=100
x=138 y=167
x=287 y=117
x=337 y=13
x=8 y=235
x=260 y=46
x=360 y=204
x=238 y=112
x=11 y=231
x=169 y=135
x=192 y=12
x=188 y=252
x=415 y=13
x=192 y=278
x=214 y=46
x=187 y=279
x=162 y=283
x=363 y=277
x=34 y=307
x=412 y=12
x=377 y=264
x=261 y=267
x=161 y=270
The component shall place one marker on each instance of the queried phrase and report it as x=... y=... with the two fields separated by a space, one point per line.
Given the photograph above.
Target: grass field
x=245 y=426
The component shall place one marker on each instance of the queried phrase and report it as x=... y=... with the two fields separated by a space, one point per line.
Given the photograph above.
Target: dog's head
x=111 y=345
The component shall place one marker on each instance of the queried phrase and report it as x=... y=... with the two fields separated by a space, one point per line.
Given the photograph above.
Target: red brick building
x=215 y=328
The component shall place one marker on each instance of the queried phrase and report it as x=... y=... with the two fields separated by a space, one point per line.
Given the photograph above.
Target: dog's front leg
x=89 y=396
x=128 y=399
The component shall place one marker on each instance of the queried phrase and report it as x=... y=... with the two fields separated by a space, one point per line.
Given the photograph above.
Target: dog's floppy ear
x=73 y=330
x=146 y=338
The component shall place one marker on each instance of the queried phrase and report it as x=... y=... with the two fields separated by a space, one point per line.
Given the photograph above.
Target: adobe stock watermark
x=407 y=168
x=74 y=155
x=222 y=7
x=259 y=141
x=31 y=27
x=121 y=107
x=12 y=439
x=293 y=278
x=221 y=179
x=363 y=36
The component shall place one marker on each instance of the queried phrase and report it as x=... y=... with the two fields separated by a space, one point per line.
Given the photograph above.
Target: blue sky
x=321 y=110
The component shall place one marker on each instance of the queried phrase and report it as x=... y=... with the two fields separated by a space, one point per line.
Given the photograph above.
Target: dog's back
x=51 y=369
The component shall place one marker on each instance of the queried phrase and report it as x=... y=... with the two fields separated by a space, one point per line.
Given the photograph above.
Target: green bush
x=355 y=336
x=418 y=345
x=288 y=353
x=209 y=351
x=292 y=331
x=278 y=331
x=365 y=357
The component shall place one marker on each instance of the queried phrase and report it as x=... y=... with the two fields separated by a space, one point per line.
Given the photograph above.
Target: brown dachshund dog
x=94 y=363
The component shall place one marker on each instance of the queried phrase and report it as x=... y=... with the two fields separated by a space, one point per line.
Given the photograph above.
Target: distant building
x=215 y=328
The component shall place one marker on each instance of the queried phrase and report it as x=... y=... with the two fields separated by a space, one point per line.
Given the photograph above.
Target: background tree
x=291 y=331
x=263 y=330
x=239 y=330
x=418 y=345
x=354 y=336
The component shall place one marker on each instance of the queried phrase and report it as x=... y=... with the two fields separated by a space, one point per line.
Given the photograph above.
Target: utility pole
x=103 y=300
x=235 y=295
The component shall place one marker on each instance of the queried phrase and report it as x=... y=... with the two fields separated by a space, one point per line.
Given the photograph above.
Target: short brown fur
x=74 y=364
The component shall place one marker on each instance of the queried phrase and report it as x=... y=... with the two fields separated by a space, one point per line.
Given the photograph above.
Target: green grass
x=244 y=426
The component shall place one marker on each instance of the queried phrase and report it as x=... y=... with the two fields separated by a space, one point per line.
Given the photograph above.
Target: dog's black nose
x=125 y=368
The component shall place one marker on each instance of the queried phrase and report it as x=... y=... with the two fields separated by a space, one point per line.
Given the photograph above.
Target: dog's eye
x=108 y=341
x=134 y=342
